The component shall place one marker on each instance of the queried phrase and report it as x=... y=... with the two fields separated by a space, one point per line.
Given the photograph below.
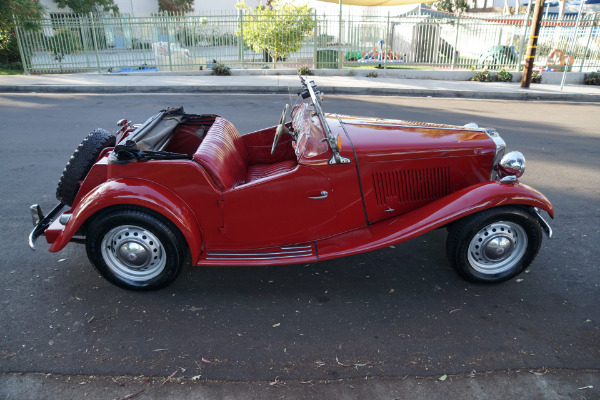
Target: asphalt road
x=395 y=312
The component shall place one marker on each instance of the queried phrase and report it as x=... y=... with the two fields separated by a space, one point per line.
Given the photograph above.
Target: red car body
x=337 y=185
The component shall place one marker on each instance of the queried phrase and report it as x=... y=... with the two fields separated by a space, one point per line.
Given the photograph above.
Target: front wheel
x=494 y=245
x=135 y=250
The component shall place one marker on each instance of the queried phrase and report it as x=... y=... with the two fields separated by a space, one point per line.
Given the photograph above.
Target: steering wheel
x=281 y=129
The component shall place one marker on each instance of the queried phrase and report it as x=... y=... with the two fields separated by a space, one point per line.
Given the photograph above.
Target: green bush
x=372 y=74
x=484 y=76
x=593 y=78
x=536 y=77
x=221 y=70
x=504 y=76
x=305 y=71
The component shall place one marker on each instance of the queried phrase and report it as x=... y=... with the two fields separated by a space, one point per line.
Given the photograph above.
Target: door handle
x=323 y=195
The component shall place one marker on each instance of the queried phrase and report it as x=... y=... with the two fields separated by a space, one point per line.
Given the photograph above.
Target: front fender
x=436 y=214
x=135 y=192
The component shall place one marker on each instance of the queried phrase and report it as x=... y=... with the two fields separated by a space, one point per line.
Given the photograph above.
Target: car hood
x=378 y=139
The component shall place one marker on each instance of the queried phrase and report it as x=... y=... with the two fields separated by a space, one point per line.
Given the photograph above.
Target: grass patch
x=10 y=72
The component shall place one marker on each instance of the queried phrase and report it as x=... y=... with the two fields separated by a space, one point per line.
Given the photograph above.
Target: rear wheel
x=494 y=245
x=80 y=164
x=135 y=250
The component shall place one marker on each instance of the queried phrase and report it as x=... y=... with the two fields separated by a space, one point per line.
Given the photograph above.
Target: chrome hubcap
x=133 y=253
x=497 y=247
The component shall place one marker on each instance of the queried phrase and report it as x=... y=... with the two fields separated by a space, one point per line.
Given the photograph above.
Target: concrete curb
x=330 y=90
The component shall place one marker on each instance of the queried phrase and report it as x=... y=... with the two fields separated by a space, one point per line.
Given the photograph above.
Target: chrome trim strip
x=253 y=258
x=259 y=254
x=545 y=225
x=264 y=254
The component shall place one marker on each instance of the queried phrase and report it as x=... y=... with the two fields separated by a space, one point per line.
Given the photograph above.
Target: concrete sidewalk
x=518 y=384
x=282 y=82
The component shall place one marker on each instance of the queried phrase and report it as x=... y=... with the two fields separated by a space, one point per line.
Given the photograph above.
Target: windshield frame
x=316 y=96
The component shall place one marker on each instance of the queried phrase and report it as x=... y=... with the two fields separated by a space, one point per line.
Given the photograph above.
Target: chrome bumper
x=41 y=222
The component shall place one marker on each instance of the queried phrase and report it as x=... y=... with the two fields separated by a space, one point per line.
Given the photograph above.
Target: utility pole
x=533 y=39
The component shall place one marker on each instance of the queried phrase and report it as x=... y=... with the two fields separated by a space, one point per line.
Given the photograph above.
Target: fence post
x=455 y=43
x=315 y=40
x=21 y=48
x=340 y=61
x=525 y=25
x=95 y=40
x=387 y=39
x=587 y=45
x=84 y=37
x=167 y=20
x=241 y=38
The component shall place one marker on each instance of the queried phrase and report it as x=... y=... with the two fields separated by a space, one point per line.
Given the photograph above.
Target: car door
x=293 y=207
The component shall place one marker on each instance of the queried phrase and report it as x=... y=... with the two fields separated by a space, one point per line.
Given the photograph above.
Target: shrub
x=305 y=71
x=504 y=76
x=536 y=77
x=593 y=78
x=484 y=76
x=372 y=74
x=221 y=70
x=63 y=43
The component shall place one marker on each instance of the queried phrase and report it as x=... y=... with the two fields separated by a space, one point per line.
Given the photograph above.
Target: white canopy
x=378 y=3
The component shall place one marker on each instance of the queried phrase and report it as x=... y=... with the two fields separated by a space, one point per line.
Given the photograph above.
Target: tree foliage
x=176 y=6
x=279 y=28
x=30 y=11
x=452 y=6
x=88 y=6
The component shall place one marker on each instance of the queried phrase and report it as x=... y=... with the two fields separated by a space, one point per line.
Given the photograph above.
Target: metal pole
x=315 y=41
x=525 y=26
x=587 y=45
x=533 y=36
x=241 y=39
x=91 y=16
x=84 y=37
x=385 y=44
x=570 y=53
x=17 y=29
x=455 y=43
x=340 y=61
x=167 y=17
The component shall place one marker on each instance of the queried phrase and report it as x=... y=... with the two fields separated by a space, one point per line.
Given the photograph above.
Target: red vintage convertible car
x=319 y=187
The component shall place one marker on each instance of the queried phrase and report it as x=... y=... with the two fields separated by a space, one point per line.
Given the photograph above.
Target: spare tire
x=80 y=164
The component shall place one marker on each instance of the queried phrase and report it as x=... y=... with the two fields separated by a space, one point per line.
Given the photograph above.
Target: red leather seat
x=224 y=155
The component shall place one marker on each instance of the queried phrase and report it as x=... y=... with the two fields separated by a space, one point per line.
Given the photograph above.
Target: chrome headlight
x=512 y=164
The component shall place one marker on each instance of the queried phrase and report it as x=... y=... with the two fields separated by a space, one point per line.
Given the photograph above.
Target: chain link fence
x=432 y=40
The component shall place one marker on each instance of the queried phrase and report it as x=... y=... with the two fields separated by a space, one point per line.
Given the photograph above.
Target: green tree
x=278 y=28
x=452 y=6
x=88 y=6
x=30 y=12
x=176 y=6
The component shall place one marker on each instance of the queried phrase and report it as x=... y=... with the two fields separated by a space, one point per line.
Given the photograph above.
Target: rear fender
x=436 y=214
x=133 y=192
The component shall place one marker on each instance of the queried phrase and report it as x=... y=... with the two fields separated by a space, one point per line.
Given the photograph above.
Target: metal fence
x=70 y=42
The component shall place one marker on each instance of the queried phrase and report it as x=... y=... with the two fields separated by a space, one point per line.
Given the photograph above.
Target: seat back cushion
x=223 y=154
